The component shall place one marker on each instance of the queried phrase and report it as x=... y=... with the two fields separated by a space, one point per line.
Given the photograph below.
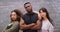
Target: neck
x=30 y=12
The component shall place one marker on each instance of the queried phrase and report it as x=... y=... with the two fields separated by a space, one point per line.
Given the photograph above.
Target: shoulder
x=50 y=25
x=48 y=22
x=38 y=14
x=16 y=23
x=23 y=15
x=35 y=15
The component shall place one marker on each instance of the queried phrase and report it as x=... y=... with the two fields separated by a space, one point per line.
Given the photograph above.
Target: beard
x=29 y=11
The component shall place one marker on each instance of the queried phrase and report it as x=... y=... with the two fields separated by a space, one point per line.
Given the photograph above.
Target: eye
x=28 y=6
x=40 y=12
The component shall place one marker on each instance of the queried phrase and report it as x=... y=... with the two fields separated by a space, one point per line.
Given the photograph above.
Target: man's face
x=28 y=8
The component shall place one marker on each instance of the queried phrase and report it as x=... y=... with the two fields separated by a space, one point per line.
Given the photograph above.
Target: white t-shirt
x=47 y=26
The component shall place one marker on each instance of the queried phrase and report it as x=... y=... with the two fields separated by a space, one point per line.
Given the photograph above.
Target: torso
x=13 y=24
x=46 y=25
x=30 y=18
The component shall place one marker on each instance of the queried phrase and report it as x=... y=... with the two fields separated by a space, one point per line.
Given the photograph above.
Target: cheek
x=14 y=17
x=43 y=14
x=28 y=8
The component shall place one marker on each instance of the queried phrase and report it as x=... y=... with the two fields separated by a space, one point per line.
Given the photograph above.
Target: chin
x=13 y=19
x=43 y=16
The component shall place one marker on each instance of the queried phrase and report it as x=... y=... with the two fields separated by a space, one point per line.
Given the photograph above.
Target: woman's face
x=13 y=16
x=43 y=14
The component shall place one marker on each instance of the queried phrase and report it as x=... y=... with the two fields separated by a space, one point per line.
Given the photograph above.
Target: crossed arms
x=33 y=26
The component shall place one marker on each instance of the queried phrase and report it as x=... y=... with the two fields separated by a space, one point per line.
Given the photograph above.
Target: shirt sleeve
x=13 y=28
x=51 y=28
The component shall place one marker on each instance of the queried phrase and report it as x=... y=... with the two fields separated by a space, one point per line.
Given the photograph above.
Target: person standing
x=30 y=21
x=47 y=22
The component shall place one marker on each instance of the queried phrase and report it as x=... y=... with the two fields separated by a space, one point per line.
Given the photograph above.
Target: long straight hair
x=47 y=15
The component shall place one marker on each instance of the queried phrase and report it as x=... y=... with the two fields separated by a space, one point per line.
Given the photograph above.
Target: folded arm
x=23 y=26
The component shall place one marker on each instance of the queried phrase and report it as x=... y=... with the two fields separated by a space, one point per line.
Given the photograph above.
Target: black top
x=30 y=18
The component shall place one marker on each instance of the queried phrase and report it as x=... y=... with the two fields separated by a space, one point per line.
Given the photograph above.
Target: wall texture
x=6 y=6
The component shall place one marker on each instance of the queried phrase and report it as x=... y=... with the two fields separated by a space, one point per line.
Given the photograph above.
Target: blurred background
x=6 y=6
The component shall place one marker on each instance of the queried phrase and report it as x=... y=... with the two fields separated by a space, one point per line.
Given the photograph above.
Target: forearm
x=36 y=27
x=23 y=27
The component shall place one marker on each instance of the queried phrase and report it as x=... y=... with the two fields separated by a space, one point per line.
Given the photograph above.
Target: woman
x=47 y=22
x=14 y=24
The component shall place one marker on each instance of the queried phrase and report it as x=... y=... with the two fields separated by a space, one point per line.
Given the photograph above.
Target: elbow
x=21 y=27
x=38 y=28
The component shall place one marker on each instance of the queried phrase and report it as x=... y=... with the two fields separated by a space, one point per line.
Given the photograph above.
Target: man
x=30 y=21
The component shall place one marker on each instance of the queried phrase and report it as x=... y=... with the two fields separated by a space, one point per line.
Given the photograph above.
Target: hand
x=33 y=26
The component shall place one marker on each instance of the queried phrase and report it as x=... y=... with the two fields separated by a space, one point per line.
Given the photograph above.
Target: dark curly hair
x=19 y=14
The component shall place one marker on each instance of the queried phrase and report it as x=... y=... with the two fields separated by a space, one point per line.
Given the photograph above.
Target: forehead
x=27 y=5
x=13 y=13
x=41 y=11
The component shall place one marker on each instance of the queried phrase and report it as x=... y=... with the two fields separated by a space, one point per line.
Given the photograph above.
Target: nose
x=12 y=16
